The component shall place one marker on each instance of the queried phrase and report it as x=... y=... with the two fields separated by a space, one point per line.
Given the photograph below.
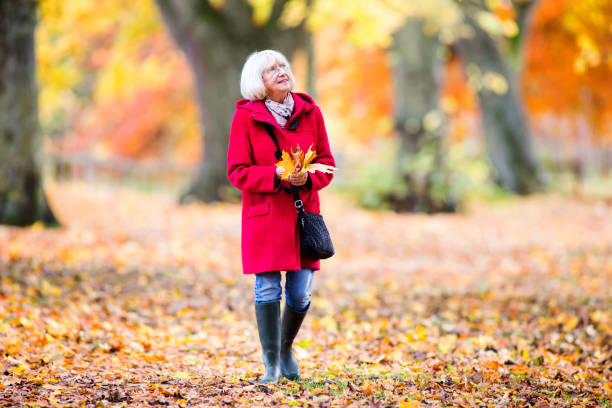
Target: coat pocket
x=258 y=209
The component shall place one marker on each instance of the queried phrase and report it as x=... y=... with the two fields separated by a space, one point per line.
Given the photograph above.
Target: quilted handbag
x=315 y=241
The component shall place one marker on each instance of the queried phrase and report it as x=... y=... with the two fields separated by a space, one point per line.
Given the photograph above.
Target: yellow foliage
x=293 y=13
x=354 y=351
x=113 y=72
x=287 y=164
x=370 y=23
x=298 y=162
x=218 y=4
x=262 y=9
x=570 y=323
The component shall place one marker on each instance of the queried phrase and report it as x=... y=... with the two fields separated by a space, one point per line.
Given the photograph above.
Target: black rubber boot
x=290 y=326
x=268 y=325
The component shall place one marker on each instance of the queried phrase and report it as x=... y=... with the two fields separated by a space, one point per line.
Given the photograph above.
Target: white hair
x=251 y=81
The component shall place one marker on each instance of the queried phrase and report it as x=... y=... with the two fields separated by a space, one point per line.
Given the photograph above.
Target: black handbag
x=315 y=241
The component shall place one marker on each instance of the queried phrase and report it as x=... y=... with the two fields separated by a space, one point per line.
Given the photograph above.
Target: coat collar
x=303 y=104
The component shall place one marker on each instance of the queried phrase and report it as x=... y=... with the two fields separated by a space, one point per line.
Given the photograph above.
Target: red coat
x=270 y=240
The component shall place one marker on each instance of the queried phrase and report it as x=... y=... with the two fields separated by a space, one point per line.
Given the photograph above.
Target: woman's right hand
x=279 y=172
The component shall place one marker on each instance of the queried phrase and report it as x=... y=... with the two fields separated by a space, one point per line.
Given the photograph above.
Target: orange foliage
x=458 y=101
x=134 y=87
x=504 y=11
x=551 y=82
x=137 y=133
x=151 y=122
x=139 y=301
x=354 y=82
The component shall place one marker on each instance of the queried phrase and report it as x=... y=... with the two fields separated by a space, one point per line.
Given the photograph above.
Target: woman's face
x=276 y=80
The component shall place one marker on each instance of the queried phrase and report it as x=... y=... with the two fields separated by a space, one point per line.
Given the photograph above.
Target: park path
x=140 y=302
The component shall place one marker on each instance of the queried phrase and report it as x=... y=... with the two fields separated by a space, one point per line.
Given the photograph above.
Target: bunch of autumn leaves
x=297 y=162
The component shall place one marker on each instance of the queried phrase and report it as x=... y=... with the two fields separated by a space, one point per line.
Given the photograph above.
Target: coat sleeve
x=241 y=171
x=318 y=179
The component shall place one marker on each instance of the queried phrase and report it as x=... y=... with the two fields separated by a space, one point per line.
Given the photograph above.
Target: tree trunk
x=22 y=199
x=216 y=77
x=506 y=130
x=418 y=75
x=216 y=44
x=524 y=14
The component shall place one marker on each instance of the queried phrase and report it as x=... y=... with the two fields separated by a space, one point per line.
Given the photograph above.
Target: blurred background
x=428 y=105
x=477 y=135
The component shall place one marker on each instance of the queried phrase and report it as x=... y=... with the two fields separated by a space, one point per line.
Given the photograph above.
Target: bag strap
x=295 y=190
x=277 y=153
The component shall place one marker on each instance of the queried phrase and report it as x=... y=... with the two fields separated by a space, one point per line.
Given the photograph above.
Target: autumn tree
x=471 y=30
x=490 y=47
x=418 y=121
x=493 y=71
x=22 y=199
x=567 y=58
x=216 y=38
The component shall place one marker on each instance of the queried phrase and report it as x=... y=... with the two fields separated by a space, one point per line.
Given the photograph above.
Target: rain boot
x=268 y=325
x=290 y=326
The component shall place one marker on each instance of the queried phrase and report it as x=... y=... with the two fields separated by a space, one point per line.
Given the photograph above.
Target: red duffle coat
x=270 y=238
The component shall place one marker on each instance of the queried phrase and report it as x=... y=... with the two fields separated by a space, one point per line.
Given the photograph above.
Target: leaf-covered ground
x=139 y=302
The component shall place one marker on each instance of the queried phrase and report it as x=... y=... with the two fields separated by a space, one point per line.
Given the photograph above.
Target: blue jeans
x=297 y=288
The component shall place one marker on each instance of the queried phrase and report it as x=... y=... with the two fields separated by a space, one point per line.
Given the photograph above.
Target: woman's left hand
x=298 y=179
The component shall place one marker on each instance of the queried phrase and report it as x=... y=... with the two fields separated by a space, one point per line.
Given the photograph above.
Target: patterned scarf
x=281 y=111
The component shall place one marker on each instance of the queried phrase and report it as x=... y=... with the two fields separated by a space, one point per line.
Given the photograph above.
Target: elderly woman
x=270 y=237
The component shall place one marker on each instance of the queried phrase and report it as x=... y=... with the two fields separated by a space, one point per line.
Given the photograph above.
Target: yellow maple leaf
x=308 y=165
x=298 y=162
x=287 y=164
x=308 y=157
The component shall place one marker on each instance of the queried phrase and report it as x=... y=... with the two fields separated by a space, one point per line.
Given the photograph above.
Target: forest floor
x=140 y=302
